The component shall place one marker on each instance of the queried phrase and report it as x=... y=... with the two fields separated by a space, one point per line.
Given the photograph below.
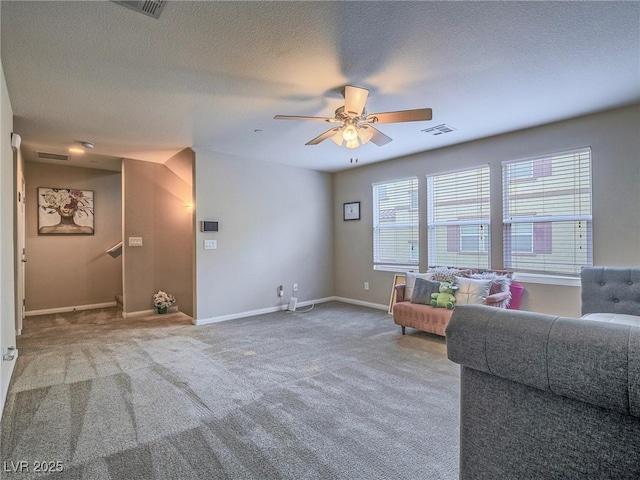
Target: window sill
x=518 y=277
x=396 y=268
x=547 y=279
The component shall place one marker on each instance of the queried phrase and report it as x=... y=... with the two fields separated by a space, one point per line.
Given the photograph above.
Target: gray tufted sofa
x=546 y=397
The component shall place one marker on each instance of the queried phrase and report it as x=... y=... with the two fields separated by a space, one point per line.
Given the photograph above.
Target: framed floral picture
x=65 y=211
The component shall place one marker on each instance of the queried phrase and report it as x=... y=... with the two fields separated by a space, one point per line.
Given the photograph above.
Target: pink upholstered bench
x=435 y=320
x=421 y=317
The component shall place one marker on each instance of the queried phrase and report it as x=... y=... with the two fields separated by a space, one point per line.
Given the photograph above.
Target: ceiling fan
x=356 y=125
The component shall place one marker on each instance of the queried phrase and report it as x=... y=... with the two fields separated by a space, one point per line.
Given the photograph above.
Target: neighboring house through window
x=458 y=211
x=547 y=213
x=395 y=224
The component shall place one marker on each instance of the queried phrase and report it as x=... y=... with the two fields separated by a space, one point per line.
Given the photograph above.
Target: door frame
x=20 y=239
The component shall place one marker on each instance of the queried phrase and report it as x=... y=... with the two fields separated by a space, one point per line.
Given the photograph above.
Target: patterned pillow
x=446 y=274
x=471 y=291
x=411 y=281
x=423 y=290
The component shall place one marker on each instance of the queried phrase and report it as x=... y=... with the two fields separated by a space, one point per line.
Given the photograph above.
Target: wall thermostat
x=207 y=226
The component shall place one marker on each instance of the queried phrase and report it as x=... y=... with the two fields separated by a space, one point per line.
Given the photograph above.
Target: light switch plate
x=210 y=244
x=135 y=241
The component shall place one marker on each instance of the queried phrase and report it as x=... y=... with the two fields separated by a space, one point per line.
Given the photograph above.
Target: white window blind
x=395 y=223
x=458 y=218
x=547 y=213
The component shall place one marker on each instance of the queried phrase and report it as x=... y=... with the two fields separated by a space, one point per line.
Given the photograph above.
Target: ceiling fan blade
x=294 y=117
x=355 y=99
x=323 y=137
x=417 y=115
x=378 y=137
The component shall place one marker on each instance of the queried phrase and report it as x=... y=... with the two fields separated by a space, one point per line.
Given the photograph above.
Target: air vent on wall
x=439 y=129
x=53 y=156
x=152 y=8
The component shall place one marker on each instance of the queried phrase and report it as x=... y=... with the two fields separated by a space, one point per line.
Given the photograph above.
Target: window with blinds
x=458 y=218
x=395 y=224
x=547 y=213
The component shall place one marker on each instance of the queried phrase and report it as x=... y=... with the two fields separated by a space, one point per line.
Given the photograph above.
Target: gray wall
x=73 y=270
x=157 y=209
x=276 y=227
x=7 y=282
x=614 y=139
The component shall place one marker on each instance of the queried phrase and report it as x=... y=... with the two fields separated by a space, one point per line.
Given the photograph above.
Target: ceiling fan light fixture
x=337 y=138
x=364 y=134
x=350 y=133
x=356 y=125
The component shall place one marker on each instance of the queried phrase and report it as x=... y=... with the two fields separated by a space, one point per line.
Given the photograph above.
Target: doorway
x=68 y=271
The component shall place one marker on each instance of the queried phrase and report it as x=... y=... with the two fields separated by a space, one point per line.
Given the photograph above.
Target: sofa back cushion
x=610 y=290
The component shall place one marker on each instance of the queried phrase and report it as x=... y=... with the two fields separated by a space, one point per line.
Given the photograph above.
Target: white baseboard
x=316 y=301
x=262 y=311
x=139 y=313
x=362 y=303
x=74 y=308
x=151 y=311
x=234 y=316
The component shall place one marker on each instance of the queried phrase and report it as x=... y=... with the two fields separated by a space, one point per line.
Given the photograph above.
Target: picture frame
x=351 y=211
x=65 y=211
x=398 y=278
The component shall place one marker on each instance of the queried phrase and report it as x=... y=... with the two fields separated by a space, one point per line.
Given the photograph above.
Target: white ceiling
x=211 y=75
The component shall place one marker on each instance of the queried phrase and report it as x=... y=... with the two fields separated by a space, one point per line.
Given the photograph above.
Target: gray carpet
x=336 y=393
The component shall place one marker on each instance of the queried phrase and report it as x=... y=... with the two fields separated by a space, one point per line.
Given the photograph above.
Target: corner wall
x=275 y=228
x=156 y=208
x=613 y=137
x=67 y=271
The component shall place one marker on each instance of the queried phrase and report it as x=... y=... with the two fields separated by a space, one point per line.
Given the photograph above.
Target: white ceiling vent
x=439 y=129
x=153 y=8
x=53 y=156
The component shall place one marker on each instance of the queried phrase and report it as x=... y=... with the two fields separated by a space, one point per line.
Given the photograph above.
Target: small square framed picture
x=351 y=211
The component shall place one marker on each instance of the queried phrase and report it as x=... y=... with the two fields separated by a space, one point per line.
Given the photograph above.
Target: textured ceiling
x=209 y=74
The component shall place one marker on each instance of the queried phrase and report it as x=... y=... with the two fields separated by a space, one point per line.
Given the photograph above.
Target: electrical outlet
x=280 y=291
x=366 y=285
x=295 y=287
x=10 y=354
x=135 y=241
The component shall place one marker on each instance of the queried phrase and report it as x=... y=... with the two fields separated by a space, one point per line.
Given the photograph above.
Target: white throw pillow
x=471 y=291
x=410 y=282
